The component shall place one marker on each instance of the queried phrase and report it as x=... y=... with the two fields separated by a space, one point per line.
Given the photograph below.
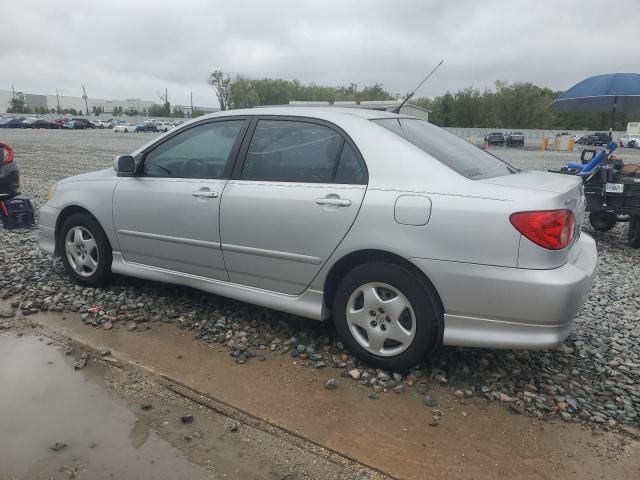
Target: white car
x=100 y=124
x=164 y=126
x=625 y=140
x=125 y=128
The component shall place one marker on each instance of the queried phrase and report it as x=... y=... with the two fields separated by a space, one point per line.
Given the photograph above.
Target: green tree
x=221 y=83
x=159 y=111
x=17 y=105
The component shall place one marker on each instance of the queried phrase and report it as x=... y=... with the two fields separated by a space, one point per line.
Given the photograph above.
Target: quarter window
x=199 y=152
x=291 y=151
x=349 y=168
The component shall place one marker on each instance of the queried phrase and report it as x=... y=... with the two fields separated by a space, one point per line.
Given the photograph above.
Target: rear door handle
x=340 y=202
x=204 y=193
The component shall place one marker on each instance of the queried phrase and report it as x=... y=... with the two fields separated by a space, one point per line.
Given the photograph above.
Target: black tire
x=634 y=232
x=603 y=221
x=102 y=273
x=424 y=302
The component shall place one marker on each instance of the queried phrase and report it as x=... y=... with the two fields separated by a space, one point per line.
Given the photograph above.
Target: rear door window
x=291 y=151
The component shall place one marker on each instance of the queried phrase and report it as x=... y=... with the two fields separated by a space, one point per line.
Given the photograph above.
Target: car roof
x=325 y=113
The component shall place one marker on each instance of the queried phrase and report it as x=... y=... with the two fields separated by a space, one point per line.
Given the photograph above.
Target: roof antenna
x=408 y=97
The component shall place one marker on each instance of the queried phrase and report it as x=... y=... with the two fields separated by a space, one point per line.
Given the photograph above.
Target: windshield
x=456 y=153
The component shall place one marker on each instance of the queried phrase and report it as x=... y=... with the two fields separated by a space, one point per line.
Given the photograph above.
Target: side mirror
x=124 y=164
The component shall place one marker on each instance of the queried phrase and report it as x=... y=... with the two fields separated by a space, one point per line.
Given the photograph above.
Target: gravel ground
x=594 y=377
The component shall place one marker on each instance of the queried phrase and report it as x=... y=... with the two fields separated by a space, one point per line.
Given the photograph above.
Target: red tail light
x=8 y=157
x=551 y=229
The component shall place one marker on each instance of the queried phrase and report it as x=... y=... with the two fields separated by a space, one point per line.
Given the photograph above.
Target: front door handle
x=204 y=192
x=337 y=201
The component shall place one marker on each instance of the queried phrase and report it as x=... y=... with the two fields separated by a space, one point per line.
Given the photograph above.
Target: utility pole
x=58 y=98
x=191 y=104
x=86 y=106
x=165 y=98
x=166 y=102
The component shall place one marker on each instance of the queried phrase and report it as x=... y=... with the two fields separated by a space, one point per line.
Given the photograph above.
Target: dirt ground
x=289 y=425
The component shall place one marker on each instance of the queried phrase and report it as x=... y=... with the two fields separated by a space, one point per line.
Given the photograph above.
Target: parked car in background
x=83 y=123
x=58 y=122
x=495 y=138
x=100 y=124
x=73 y=125
x=515 y=139
x=124 y=127
x=36 y=123
x=598 y=139
x=11 y=122
x=631 y=141
x=9 y=174
x=300 y=210
x=146 y=127
x=164 y=126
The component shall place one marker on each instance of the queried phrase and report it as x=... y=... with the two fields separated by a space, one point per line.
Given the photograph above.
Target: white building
x=67 y=102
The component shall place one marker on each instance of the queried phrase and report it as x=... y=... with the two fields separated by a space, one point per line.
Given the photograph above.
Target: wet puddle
x=44 y=402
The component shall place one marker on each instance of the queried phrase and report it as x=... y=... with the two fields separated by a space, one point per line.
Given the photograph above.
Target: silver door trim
x=294 y=257
x=168 y=238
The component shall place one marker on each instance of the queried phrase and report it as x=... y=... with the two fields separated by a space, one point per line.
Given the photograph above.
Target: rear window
x=456 y=153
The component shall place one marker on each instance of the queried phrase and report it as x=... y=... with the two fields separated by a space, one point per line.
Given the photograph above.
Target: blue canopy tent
x=602 y=93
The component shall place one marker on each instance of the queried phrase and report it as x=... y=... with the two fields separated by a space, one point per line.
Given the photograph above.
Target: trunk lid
x=534 y=180
x=535 y=190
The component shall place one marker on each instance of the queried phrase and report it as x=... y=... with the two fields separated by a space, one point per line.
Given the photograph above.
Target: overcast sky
x=135 y=48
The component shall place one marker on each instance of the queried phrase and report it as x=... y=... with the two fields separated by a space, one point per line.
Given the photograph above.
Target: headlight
x=52 y=190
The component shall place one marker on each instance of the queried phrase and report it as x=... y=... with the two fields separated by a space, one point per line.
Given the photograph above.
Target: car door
x=290 y=202
x=167 y=216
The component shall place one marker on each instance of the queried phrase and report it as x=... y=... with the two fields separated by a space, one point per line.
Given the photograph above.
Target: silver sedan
x=407 y=236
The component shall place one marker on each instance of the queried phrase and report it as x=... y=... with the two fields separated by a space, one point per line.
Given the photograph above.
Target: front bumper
x=47 y=217
x=499 y=307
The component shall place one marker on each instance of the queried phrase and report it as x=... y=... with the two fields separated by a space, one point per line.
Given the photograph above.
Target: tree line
x=245 y=92
x=508 y=106
x=512 y=106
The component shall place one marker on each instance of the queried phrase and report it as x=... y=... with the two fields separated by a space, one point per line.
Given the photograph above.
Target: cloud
x=122 y=49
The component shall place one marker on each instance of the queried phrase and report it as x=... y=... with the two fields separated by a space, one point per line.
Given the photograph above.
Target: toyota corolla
x=407 y=236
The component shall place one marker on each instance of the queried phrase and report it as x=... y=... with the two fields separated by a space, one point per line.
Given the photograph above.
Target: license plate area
x=614 y=188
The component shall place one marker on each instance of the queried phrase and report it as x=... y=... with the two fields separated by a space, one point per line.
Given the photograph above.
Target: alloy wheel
x=82 y=251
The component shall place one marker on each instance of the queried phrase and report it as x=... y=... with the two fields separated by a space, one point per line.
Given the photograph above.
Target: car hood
x=545 y=181
x=105 y=174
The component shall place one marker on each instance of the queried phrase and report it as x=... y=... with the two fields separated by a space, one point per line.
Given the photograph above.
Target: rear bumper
x=47 y=217
x=498 y=307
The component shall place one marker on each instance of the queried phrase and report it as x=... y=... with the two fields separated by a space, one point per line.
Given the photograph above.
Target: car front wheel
x=386 y=315
x=85 y=250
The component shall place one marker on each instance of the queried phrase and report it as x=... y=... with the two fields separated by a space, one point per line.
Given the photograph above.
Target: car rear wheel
x=603 y=221
x=85 y=250
x=634 y=232
x=386 y=315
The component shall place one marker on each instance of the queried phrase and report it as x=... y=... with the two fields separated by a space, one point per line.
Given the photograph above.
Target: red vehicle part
x=8 y=156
